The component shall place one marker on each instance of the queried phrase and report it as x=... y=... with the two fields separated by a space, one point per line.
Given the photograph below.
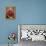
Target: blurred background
x=27 y=12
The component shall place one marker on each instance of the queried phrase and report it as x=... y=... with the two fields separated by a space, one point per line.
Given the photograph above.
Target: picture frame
x=10 y=12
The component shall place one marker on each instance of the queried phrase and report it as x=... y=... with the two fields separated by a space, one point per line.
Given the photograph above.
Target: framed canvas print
x=11 y=12
x=29 y=33
x=32 y=32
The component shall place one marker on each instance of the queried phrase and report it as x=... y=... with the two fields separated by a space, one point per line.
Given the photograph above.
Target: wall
x=27 y=12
